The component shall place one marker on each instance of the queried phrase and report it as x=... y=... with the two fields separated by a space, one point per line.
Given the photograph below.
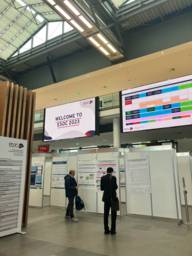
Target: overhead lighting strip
x=77 y=19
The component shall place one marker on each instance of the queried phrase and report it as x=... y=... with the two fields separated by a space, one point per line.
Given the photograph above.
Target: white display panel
x=58 y=197
x=59 y=171
x=138 y=184
x=87 y=169
x=159 y=105
x=185 y=171
x=165 y=194
x=105 y=160
x=12 y=183
x=155 y=191
x=73 y=120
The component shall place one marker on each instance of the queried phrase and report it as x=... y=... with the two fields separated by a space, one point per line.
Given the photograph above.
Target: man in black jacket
x=71 y=192
x=109 y=186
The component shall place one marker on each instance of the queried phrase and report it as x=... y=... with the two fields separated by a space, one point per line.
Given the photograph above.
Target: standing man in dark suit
x=71 y=192
x=109 y=186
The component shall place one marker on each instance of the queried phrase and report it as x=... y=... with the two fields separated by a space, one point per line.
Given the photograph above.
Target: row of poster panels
x=90 y=167
x=141 y=175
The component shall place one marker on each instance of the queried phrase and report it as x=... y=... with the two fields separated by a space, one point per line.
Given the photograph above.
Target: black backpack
x=79 y=204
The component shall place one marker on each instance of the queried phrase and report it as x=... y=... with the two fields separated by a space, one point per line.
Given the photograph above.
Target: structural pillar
x=116 y=133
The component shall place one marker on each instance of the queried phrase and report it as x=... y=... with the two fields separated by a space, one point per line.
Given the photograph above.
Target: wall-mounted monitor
x=72 y=120
x=160 y=105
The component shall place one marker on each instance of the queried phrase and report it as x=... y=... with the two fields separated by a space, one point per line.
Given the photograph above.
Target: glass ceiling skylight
x=47 y=32
x=19 y=20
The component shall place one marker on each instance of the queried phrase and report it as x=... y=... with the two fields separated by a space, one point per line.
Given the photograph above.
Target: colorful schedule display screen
x=73 y=120
x=160 y=105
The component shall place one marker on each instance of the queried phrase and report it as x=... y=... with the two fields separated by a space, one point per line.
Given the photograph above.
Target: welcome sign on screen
x=160 y=105
x=73 y=120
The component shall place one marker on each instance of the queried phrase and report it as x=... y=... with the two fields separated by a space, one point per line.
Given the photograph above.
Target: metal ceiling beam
x=51 y=69
x=137 y=7
x=64 y=39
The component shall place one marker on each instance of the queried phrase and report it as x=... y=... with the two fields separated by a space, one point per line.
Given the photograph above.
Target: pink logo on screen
x=87 y=102
x=89 y=133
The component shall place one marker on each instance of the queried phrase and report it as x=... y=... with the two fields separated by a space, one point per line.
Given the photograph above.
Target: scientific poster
x=59 y=171
x=87 y=172
x=138 y=175
x=102 y=166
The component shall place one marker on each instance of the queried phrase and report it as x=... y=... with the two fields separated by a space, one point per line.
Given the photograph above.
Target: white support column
x=116 y=133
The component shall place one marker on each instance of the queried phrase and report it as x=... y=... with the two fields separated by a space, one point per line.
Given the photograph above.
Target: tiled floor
x=49 y=234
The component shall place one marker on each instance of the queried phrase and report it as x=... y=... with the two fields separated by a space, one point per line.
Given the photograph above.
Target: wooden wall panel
x=4 y=97
x=17 y=109
x=29 y=136
x=14 y=111
x=23 y=114
x=9 y=111
x=19 y=112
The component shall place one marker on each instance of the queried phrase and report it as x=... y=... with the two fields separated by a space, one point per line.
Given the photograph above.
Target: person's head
x=72 y=173
x=109 y=170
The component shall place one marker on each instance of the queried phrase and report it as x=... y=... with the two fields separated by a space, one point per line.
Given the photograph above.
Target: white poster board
x=59 y=171
x=37 y=181
x=12 y=183
x=162 y=182
x=87 y=167
x=105 y=160
x=185 y=171
x=138 y=184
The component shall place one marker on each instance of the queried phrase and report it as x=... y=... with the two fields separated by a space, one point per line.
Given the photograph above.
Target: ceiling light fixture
x=76 y=25
x=103 y=50
x=93 y=41
x=51 y=2
x=71 y=7
x=102 y=38
x=85 y=21
x=112 y=48
x=62 y=12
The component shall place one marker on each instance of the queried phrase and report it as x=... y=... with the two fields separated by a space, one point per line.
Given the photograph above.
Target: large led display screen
x=73 y=120
x=159 y=105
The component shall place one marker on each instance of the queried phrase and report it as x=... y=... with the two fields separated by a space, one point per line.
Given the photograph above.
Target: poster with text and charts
x=160 y=105
x=72 y=120
x=37 y=176
x=138 y=174
x=87 y=172
x=102 y=166
x=59 y=171
x=12 y=184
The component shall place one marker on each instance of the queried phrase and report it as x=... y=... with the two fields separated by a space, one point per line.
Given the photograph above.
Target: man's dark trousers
x=70 y=207
x=107 y=207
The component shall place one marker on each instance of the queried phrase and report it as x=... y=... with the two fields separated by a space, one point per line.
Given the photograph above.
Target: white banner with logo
x=12 y=184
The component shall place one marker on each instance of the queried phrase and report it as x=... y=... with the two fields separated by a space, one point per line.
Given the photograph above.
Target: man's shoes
x=107 y=232
x=113 y=232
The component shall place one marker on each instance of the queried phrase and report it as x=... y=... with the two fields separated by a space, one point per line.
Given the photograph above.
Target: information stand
x=12 y=184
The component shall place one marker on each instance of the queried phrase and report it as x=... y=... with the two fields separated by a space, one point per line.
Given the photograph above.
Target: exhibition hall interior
x=95 y=127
